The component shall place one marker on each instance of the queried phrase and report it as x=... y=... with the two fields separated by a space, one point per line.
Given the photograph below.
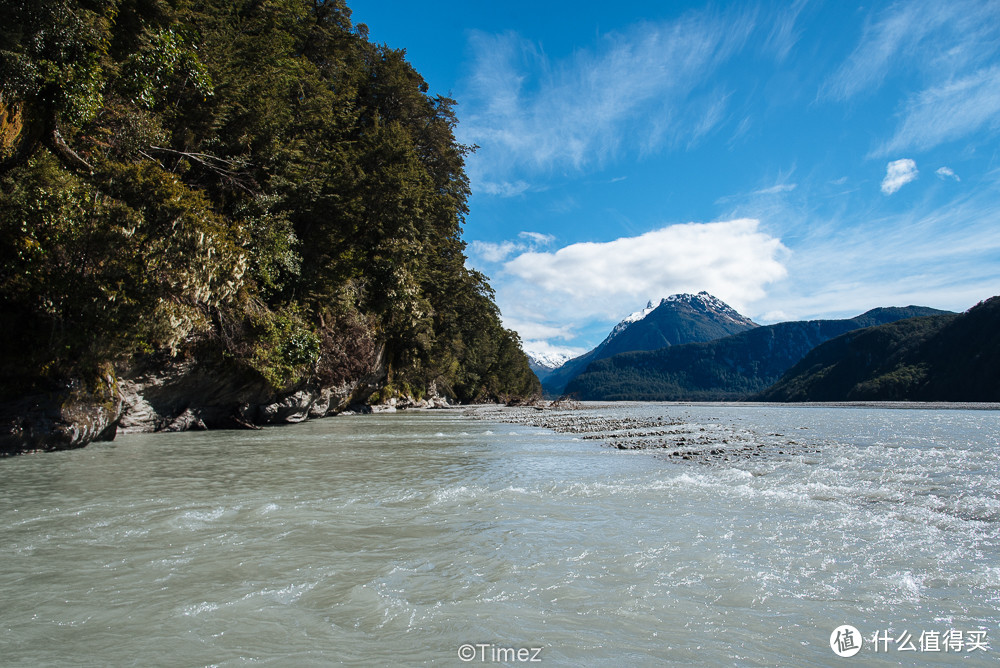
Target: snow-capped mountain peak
x=707 y=302
x=671 y=321
x=702 y=301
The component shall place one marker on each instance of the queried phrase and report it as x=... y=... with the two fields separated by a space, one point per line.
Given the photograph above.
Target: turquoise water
x=397 y=539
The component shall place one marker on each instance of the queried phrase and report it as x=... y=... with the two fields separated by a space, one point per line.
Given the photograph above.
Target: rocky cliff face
x=60 y=420
x=183 y=395
x=160 y=394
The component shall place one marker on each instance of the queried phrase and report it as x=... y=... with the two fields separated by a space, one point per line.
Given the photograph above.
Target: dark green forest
x=251 y=182
x=938 y=358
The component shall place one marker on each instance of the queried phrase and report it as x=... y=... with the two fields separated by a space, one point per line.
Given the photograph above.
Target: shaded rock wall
x=163 y=394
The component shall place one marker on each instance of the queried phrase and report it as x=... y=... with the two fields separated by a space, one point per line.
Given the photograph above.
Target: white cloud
x=526 y=111
x=494 y=252
x=841 y=266
x=950 y=111
x=498 y=252
x=504 y=188
x=784 y=36
x=948 y=49
x=540 y=348
x=777 y=189
x=531 y=329
x=537 y=238
x=733 y=260
x=773 y=316
x=937 y=39
x=897 y=174
x=947 y=173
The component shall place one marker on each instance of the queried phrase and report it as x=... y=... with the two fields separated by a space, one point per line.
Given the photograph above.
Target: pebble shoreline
x=674 y=438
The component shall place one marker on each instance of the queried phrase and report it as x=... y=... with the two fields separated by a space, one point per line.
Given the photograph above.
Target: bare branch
x=66 y=154
x=224 y=168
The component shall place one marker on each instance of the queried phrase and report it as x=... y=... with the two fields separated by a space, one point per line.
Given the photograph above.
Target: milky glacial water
x=396 y=539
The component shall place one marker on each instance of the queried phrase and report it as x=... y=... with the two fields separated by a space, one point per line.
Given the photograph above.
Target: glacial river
x=435 y=537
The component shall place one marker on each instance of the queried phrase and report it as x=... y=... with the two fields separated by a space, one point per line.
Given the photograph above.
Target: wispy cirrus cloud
x=776 y=189
x=504 y=188
x=945 y=256
x=498 y=252
x=526 y=111
x=950 y=111
x=785 y=29
x=936 y=39
x=899 y=29
x=943 y=53
x=897 y=174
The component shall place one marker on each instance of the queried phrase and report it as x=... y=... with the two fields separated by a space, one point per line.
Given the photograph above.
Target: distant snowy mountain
x=547 y=360
x=544 y=363
x=544 y=360
x=675 y=320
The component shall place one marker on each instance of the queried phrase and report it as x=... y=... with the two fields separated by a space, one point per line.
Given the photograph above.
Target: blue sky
x=796 y=159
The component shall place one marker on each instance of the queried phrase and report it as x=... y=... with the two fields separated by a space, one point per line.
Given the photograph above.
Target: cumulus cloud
x=897 y=174
x=733 y=260
x=947 y=173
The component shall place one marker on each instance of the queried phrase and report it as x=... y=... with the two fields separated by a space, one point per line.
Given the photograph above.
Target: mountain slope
x=940 y=358
x=676 y=320
x=725 y=369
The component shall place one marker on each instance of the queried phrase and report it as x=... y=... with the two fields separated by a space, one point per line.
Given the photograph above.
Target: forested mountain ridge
x=937 y=358
x=730 y=368
x=231 y=193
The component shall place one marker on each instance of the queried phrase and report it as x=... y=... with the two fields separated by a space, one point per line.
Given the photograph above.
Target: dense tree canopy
x=249 y=179
x=938 y=358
